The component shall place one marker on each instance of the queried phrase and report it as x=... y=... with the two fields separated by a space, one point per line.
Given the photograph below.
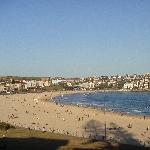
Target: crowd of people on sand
x=36 y=123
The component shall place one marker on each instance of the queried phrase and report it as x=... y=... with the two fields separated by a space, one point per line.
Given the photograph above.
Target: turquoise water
x=137 y=103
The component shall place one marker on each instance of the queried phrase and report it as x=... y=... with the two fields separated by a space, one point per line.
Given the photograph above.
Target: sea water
x=137 y=103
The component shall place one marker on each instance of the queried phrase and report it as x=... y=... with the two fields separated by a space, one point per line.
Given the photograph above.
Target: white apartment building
x=2 y=88
x=31 y=84
x=40 y=83
x=56 y=81
x=87 y=85
x=69 y=84
x=128 y=86
x=47 y=83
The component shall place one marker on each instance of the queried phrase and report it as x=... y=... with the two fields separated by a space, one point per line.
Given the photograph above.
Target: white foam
x=138 y=111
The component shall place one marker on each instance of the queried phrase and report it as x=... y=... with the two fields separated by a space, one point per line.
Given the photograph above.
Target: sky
x=74 y=38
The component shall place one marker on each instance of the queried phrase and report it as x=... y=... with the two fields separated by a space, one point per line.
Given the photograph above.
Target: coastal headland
x=36 y=111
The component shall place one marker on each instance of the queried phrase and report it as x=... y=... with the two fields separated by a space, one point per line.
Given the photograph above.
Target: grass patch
x=20 y=138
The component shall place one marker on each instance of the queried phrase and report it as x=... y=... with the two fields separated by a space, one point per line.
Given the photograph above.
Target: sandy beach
x=34 y=111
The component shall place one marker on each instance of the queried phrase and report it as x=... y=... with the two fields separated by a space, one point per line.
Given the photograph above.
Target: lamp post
x=105 y=119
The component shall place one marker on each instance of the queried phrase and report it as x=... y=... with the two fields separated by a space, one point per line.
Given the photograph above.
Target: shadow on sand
x=31 y=144
x=95 y=131
x=55 y=144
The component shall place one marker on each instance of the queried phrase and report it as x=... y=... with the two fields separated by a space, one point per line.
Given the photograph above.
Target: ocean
x=136 y=103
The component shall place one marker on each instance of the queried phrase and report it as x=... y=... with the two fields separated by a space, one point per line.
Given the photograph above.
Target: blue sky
x=74 y=38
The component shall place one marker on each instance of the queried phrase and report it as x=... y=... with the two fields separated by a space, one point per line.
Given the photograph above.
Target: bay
x=136 y=103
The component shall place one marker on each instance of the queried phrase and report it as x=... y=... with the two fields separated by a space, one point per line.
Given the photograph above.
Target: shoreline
x=37 y=112
x=101 y=109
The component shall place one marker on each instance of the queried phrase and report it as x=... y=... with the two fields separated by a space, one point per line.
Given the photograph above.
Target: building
x=56 y=81
x=128 y=86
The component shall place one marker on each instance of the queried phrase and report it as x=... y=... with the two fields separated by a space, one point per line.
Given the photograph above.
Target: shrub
x=5 y=126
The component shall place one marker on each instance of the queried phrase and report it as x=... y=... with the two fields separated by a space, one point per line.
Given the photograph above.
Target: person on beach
x=130 y=125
